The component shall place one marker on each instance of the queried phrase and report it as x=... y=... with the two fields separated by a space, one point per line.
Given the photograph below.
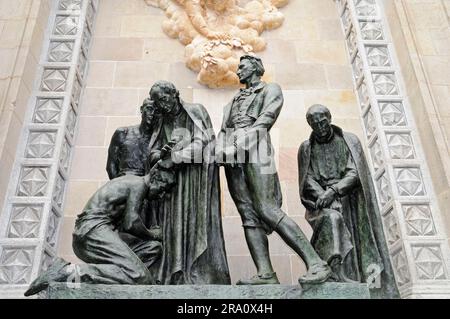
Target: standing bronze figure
x=194 y=249
x=128 y=152
x=245 y=149
x=337 y=189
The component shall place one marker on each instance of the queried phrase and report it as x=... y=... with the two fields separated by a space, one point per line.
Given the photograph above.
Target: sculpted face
x=245 y=70
x=165 y=100
x=148 y=112
x=320 y=124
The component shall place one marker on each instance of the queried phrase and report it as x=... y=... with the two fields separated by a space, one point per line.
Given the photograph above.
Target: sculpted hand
x=229 y=153
x=155 y=233
x=325 y=199
x=167 y=149
x=239 y=137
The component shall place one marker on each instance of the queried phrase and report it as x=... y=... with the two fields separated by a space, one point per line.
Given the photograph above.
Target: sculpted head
x=249 y=67
x=165 y=96
x=148 y=111
x=319 y=118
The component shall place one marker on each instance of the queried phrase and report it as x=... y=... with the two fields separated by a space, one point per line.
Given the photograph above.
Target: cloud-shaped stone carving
x=217 y=32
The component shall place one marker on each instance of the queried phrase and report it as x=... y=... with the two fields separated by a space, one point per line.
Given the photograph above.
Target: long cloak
x=371 y=248
x=193 y=244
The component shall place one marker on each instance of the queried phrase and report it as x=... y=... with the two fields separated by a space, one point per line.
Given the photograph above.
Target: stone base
x=324 y=291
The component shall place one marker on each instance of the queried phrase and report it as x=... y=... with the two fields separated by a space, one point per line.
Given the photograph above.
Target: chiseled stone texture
x=22 y=25
x=327 y=290
x=421 y=34
x=306 y=56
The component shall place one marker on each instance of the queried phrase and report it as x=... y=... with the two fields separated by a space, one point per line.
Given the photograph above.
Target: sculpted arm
x=312 y=189
x=112 y=164
x=349 y=181
x=133 y=223
x=273 y=102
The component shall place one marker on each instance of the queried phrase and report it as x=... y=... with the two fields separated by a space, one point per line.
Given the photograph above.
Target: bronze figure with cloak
x=194 y=249
x=336 y=188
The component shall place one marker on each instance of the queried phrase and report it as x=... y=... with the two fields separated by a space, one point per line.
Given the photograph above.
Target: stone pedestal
x=324 y=291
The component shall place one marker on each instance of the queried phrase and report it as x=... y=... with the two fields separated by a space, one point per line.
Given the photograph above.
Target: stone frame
x=31 y=218
x=411 y=216
x=30 y=222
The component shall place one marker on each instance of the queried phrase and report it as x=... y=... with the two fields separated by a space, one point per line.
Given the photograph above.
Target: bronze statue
x=245 y=149
x=337 y=190
x=129 y=152
x=110 y=260
x=194 y=249
x=129 y=148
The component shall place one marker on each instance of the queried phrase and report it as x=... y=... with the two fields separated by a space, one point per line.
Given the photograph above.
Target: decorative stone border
x=30 y=222
x=416 y=236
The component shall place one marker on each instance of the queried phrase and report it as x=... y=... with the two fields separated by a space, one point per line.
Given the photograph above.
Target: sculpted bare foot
x=55 y=273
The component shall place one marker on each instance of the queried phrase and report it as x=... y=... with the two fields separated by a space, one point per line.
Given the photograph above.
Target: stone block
x=301 y=76
x=300 y=9
x=292 y=133
x=140 y=74
x=29 y=71
x=120 y=7
x=101 y=74
x=91 y=131
x=288 y=158
x=428 y=14
x=109 y=102
x=294 y=105
x=339 y=77
x=117 y=49
x=12 y=33
x=323 y=52
x=291 y=196
x=7 y=62
x=89 y=163
x=107 y=25
x=142 y=26
x=234 y=236
x=14 y=132
x=278 y=51
x=330 y=29
x=14 y=9
x=21 y=105
x=163 y=50
x=438 y=69
x=78 y=193
x=323 y=291
x=295 y=29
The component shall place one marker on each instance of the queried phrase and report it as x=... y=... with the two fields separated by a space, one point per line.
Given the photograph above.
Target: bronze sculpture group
x=158 y=220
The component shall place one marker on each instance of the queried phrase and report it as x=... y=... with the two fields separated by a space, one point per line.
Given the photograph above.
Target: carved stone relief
x=217 y=32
